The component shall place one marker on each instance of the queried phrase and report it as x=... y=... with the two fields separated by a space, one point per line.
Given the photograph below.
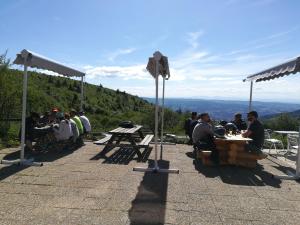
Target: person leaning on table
x=256 y=132
x=239 y=122
x=203 y=137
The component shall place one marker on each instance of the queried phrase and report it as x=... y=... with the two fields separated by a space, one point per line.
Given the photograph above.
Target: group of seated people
x=202 y=132
x=55 y=129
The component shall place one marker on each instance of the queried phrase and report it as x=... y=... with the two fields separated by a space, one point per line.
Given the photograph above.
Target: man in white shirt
x=74 y=127
x=64 y=130
x=85 y=122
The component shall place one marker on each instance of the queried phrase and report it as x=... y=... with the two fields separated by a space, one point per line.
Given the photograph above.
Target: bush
x=282 y=122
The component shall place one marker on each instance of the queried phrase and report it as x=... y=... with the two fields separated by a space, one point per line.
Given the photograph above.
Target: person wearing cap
x=53 y=117
x=203 y=137
x=77 y=120
x=189 y=125
x=85 y=122
x=256 y=132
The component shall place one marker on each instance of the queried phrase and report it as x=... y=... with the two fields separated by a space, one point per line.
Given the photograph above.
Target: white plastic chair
x=272 y=142
x=292 y=142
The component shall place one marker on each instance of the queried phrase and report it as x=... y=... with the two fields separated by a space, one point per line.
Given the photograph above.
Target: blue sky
x=211 y=45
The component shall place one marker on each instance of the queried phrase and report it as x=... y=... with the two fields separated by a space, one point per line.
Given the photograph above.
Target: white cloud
x=193 y=64
x=123 y=72
x=193 y=38
x=200 y=73
x=115 y=54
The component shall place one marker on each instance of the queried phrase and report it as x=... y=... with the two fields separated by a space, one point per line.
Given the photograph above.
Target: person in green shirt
x=77 y=120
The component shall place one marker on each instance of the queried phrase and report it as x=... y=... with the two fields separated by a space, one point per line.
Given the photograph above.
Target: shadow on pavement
x=238 y=175
x=149 y=205
x=48 y=156
x=122 y=156
x=125 y=154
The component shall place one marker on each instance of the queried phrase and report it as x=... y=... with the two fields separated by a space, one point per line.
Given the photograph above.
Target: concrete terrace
x=80 y=187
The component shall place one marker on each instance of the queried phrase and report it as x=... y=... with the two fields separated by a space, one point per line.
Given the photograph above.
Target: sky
x=211 y=45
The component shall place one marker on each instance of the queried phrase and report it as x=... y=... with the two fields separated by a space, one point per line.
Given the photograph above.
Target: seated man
x=74 y=128
x=203 y=137
x=77 y=120
x=239 y=122
x=64 y=131
x=85 y=122
x=189 y=126
x=256 y=133
x=30 y=123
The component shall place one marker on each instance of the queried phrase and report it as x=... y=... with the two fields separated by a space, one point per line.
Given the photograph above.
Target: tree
x=4 y=63
x=50 y=79
x=282 y=122
x=8 y=95
x=65 y=83
x=75 y=99
x=179 y=111
x=57 y=83
x=99 y=88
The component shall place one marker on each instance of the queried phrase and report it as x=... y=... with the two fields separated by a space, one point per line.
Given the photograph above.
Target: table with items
x=231 y=149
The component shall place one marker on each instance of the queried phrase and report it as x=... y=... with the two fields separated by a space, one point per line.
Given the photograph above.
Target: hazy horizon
x=224 y=99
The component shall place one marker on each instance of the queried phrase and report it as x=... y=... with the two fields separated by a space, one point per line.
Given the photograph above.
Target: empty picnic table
x=116 y=136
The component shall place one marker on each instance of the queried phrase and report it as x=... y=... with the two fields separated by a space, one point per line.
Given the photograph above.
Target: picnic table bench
x=231 y=152
x=120 y=134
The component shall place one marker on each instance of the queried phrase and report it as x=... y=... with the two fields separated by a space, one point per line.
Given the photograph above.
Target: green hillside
x=105 y=107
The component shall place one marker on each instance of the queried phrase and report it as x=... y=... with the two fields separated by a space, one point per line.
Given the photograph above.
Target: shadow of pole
x=149 y=205
x=48 y=156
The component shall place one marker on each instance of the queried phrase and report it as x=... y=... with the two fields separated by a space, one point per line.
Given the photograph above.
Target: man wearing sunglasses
x=256 y=132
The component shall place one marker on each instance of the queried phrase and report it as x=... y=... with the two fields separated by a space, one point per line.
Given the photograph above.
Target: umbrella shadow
x=236 y=175
x=149 y=205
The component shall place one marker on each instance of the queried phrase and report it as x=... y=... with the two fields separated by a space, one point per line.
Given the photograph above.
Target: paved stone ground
x=80 y=187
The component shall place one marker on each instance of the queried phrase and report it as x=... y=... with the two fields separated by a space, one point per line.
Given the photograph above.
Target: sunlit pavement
x=81 y=187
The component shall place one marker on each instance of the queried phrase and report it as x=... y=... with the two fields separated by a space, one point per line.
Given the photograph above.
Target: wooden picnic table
x=231 y=150
x=121 y=134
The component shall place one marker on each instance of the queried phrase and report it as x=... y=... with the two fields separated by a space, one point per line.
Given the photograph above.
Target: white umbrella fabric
x=287 y=68
x=157 y=65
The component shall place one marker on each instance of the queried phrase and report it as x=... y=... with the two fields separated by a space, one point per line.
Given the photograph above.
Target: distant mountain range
x=225 y=109
x=293 y=114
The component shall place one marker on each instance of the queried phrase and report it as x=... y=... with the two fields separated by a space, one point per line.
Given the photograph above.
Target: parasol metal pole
x=157 y=56
x=250 y=100
x=156 y=113
x=22 y=160
x=81 y=95
x=24 y=101
x=162 y=119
